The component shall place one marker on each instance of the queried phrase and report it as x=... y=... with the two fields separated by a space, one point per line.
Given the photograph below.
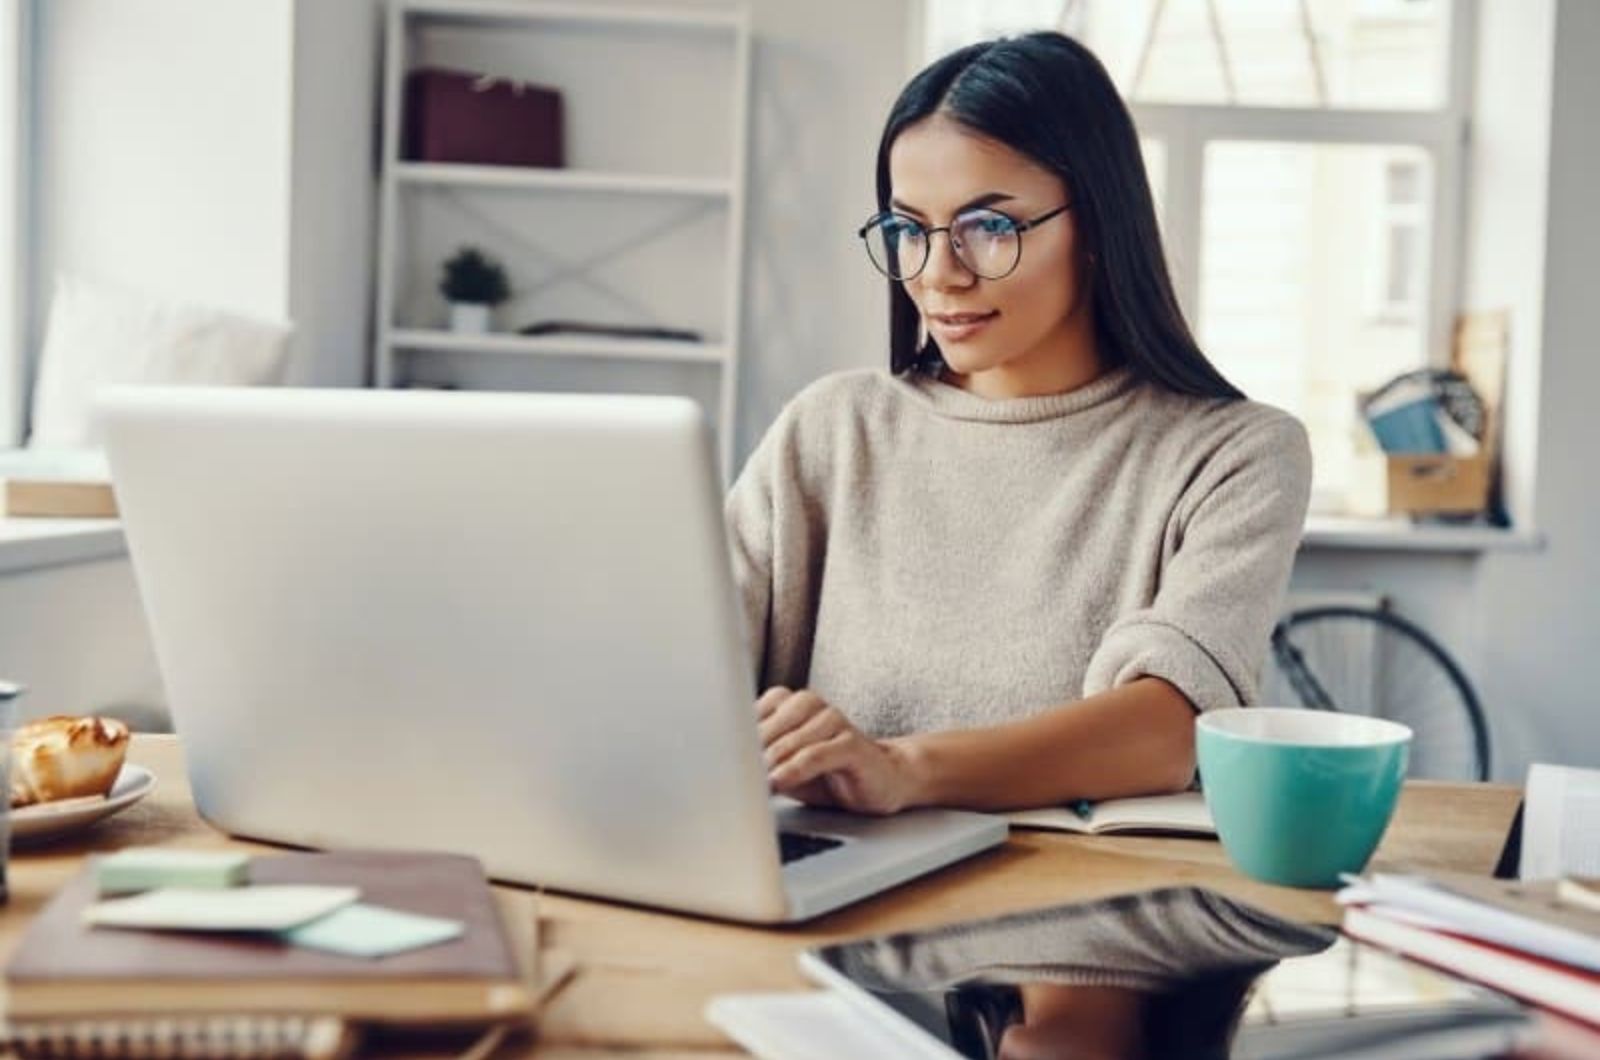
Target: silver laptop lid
x=502 y=624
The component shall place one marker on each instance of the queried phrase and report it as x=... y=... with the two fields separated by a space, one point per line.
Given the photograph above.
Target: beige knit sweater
x=926 y=559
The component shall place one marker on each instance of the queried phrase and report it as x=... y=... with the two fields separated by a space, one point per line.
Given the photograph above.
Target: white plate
x=47 y=820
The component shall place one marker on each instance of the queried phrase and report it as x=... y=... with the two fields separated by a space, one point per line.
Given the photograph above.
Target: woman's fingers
x=770 y=699
x=838 y=752
x=822 y=725
x=814 y=754
x=789 y=714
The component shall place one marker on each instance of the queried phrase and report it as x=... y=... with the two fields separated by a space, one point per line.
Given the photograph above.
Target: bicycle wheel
x=1373 y=662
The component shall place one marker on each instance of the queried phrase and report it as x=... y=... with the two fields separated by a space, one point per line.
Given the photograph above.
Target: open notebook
x=1181 y=814
x=161 y=993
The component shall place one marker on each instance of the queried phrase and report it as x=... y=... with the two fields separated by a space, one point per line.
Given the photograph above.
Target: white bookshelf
x=645 y=226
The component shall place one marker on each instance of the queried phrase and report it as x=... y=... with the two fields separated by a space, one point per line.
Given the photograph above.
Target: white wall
x=1542 y=612
x=162 y=150
x=826 y=74
x=333 y=168
x=74 y=636
x=1509 y=159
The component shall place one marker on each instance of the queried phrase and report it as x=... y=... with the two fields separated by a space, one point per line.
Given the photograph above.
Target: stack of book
x=1538 y=941
x=95 y=977
x=1536 y=937
x=1426 y=411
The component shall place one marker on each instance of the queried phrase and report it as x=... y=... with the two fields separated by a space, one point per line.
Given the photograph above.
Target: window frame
x=16 y=136
x=1396 y=217
x=1185 y=129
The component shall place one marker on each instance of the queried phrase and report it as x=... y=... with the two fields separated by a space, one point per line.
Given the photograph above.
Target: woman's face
x=1027 y=333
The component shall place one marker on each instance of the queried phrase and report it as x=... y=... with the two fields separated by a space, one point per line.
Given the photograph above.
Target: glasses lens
x=987 y=242
x=897 y=245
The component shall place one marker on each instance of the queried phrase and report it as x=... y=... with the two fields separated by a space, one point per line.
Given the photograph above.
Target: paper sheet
x=1561 y=823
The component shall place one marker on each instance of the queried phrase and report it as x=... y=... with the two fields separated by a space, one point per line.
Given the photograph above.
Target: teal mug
x=1300 y=796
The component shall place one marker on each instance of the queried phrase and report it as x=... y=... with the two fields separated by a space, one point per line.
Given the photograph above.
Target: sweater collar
x=951 y=401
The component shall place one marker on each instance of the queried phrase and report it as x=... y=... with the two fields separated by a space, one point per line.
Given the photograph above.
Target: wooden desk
x=644 y=977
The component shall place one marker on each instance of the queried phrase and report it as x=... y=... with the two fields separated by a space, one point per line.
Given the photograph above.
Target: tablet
x=1177 y=972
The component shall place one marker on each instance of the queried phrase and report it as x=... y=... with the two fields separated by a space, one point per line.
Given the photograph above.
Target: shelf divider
x=514 y=178
x=513 y=345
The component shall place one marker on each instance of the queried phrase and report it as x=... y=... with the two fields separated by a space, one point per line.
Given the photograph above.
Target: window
x=1307 y=160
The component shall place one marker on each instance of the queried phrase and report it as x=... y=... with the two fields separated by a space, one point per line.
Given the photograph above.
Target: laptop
x=499 y=624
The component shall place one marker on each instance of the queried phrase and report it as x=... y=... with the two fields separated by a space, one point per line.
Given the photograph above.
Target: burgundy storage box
x=455 y=116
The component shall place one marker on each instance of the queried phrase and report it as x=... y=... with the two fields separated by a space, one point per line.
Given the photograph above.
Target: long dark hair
x=1046 y=96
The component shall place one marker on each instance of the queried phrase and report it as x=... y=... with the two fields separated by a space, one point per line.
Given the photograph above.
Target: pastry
x=65 y=758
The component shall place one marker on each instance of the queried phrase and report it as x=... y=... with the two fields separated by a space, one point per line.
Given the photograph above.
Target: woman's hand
x=815 y=755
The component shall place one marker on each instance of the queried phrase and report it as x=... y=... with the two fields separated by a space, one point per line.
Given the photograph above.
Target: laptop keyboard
x=792 y=846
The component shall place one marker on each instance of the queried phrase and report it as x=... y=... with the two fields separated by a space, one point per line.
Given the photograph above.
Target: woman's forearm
x=1134 y=740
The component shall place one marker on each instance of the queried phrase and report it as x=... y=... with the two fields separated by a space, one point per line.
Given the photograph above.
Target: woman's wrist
x=910 y=754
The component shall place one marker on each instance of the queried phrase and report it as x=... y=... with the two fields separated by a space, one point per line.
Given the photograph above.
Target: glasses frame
x=955 y=248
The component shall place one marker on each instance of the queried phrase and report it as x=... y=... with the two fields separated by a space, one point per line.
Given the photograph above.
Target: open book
x=1182 y=814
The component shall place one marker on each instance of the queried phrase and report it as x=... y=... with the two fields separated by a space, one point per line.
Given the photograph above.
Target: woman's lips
x=954 y=327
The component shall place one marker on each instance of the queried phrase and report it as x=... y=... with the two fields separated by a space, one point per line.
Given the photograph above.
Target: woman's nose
x=944 y=269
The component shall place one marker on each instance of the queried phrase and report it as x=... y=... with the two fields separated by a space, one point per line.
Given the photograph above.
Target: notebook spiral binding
x=253 y=1037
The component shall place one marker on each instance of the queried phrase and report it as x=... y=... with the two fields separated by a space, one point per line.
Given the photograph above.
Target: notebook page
x=1181 y=814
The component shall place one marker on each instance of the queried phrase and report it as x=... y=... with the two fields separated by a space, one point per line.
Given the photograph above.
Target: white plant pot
x=470 y=318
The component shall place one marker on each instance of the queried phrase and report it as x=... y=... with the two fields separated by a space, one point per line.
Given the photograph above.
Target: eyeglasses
x=986 y=242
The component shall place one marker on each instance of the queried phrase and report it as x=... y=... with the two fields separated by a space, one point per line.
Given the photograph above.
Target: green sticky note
x=372 y=931
x=147 y=868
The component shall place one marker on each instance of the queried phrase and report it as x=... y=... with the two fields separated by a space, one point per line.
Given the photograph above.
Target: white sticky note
x=264 y=908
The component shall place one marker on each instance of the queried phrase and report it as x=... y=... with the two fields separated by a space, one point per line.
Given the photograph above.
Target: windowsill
x=28 y=544
x=1402 y=535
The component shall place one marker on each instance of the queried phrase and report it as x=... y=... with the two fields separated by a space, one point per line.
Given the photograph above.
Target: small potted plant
x=473 y=283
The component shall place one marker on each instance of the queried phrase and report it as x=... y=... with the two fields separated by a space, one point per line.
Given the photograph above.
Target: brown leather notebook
x=64 y=968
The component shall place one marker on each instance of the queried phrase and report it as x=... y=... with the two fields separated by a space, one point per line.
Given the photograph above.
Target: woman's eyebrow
x=987 y=199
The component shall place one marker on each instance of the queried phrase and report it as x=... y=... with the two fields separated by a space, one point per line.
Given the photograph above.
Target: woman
x=1008 y=572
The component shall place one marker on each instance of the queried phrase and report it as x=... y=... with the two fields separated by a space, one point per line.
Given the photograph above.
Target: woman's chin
x=966 y=362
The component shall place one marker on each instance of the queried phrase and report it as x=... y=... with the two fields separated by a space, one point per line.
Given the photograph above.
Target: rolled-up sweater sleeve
x=748 y=512
x=1234 y=534
x=776 y=535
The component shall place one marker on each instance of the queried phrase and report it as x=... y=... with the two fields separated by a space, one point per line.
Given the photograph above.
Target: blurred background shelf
x=639 y=223
x=513 y=178
x=512 y=345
